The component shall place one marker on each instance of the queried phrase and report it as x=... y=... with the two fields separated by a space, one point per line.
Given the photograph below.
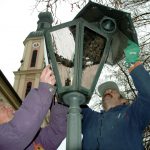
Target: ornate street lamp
x=78 y=50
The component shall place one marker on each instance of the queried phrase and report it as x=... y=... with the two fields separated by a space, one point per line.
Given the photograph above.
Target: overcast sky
x=17 y=20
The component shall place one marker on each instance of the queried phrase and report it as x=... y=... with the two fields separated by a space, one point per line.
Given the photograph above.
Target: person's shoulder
x=85 y=109
x=84 y=106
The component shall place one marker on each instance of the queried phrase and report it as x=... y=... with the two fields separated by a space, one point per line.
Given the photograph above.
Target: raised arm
x=141 y=78
x=141 y=106
x=52 y=136
x=20 y=131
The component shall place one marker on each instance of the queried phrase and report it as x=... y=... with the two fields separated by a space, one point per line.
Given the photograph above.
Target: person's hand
x=131 y=53
x=47 y=76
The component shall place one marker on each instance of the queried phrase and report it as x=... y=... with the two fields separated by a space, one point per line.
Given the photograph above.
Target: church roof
x=44 y=22
x=45 y=17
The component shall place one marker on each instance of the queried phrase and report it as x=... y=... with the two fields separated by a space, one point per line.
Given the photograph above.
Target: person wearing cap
x=120 y=125
x=108 y=90
x=21 y=130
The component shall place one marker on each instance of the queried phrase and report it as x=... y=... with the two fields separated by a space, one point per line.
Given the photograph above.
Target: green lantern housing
x=78 y=50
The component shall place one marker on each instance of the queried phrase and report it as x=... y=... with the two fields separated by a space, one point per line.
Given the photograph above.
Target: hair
x=2 y=102
x=5 y=103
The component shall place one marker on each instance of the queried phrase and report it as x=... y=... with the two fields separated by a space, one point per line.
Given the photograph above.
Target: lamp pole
x=74 y=100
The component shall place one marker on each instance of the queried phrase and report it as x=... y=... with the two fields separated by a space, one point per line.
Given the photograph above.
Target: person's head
x=111 y=95
x=6 y=112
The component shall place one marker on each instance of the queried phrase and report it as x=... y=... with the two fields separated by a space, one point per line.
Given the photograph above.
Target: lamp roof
x=94 y=12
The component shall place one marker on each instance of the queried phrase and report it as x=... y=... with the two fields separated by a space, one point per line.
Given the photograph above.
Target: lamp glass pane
x=63 y=42
x=93 y=46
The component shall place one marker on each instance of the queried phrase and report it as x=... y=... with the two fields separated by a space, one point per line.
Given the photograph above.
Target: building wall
x=7 y=93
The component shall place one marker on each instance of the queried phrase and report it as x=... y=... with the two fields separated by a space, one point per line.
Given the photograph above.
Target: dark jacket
x=121 y=127
x=22 y=131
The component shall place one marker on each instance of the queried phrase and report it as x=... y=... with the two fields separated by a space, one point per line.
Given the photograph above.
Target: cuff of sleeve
x=134 y=66
x=47 y=86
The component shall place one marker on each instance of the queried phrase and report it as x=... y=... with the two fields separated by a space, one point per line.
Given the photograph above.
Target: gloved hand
x=131 y=53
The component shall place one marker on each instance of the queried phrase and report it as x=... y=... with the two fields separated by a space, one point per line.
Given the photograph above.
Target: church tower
x=32 y=62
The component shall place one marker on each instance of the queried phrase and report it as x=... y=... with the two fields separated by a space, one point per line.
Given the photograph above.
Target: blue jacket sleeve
x=51 y=136
x=141 y=106
x=18 y=133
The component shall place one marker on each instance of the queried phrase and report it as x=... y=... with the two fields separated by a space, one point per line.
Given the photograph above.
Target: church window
x=28 y=88
x=33 y=60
